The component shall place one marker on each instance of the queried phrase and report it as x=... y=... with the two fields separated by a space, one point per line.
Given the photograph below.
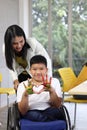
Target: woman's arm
x=15 y=78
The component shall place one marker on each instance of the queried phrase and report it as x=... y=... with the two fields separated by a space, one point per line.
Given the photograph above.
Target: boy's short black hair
x=38 y=59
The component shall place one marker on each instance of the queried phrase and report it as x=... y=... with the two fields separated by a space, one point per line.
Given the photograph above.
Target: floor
x=81 y=122
x=3 y=118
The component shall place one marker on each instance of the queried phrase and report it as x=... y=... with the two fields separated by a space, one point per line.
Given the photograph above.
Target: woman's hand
x=16 y=83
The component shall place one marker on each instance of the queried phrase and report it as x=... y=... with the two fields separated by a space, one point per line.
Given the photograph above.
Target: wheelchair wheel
x=12 y=121
x=9 y=121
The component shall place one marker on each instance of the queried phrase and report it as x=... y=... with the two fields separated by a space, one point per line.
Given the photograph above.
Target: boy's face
x=37 y=70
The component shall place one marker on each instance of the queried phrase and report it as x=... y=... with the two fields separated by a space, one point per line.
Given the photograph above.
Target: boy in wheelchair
x=40 y=98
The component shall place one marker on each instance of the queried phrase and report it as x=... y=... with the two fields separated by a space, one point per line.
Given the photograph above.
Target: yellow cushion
x=7 y=91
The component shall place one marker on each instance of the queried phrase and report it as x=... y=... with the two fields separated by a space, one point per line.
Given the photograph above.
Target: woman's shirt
x=35 y=49
x=22 y=62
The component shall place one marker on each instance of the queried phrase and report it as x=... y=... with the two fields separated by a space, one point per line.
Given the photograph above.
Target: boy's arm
x=23 y=105
x=54 y=99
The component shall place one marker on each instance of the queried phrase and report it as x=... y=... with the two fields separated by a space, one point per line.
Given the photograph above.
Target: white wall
x=9 y=14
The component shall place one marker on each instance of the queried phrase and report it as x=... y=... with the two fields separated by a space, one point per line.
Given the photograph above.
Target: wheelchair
x=15 y=122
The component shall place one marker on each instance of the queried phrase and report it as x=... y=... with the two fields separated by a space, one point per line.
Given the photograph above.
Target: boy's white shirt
x=39 y=101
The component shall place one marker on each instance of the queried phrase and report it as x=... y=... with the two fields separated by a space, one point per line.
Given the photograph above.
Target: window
x=57 y=12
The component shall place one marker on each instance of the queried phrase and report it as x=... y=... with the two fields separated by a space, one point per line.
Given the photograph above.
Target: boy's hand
x=46 y=82
x=29 y=88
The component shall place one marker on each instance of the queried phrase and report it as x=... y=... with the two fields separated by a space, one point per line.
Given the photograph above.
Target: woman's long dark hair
x=11 y=32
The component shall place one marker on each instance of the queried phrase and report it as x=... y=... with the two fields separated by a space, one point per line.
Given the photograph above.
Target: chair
x=67 y=74
x=8 y=91
x=0 y=79
x=70 y=80
x=82 y=75
x=15 y=122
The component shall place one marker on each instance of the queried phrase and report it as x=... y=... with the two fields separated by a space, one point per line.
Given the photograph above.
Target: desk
x=78 y=95
x=80 y=89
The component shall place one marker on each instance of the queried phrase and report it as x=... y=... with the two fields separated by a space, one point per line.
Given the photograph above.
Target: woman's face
x=18 y=43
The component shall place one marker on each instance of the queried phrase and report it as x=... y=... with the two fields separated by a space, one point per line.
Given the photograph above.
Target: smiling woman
x=18 y=51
